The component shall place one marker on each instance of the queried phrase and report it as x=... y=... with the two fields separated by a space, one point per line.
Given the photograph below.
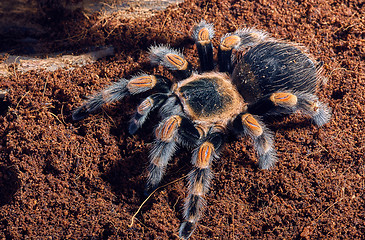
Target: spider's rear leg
x=198 y=182
x=288 y=103
x=247 y=37
x=248 y=125
x=172 y=59
x=171 y=131
x=119 y=90
x=202 y=35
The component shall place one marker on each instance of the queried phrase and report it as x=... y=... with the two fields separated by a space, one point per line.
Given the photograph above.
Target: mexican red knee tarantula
x=265 y=77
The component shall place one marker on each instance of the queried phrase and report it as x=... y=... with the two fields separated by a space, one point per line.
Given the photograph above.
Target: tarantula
x=257 y=76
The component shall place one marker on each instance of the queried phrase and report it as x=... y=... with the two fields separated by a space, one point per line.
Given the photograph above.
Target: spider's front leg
x=199 y=181
x=171 y=131
x=119 y=90
x=249 y=125
x=288 y=103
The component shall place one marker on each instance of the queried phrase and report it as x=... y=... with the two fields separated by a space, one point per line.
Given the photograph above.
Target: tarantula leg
x=119 y=90
x=276 y=103
x=318 y=111
x=198 y=183
x=143 y=110
x=288 y=103
x=172 y=130
x=172 y=59
x=163 y=149
x=246 y=37
x=248 y=125
x=202 y=35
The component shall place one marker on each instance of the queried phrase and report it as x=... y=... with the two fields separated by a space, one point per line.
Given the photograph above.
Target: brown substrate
x=63 y=180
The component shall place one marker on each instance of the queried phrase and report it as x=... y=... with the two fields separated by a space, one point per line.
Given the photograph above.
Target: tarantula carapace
x=257 y=76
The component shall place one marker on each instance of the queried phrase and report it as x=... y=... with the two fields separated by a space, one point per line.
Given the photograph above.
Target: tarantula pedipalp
x=266 y=77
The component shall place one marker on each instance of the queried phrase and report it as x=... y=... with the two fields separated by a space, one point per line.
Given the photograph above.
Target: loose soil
x=61 y=179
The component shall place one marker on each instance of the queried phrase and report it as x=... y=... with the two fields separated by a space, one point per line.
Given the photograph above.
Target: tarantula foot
x=319 y=112
x=187 y=229
x=149 y=189
x=322 y=115
x=80 y=113
x=268 y=159
x=133 y=127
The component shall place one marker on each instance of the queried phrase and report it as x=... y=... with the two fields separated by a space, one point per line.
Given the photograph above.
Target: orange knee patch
x=179 y=62
x=285 y=99
x=166 y=131
x=251 y=123
x=203 y=36
x=230 y=42
x=142 y=82
x=205 y=154
x=145 y=106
